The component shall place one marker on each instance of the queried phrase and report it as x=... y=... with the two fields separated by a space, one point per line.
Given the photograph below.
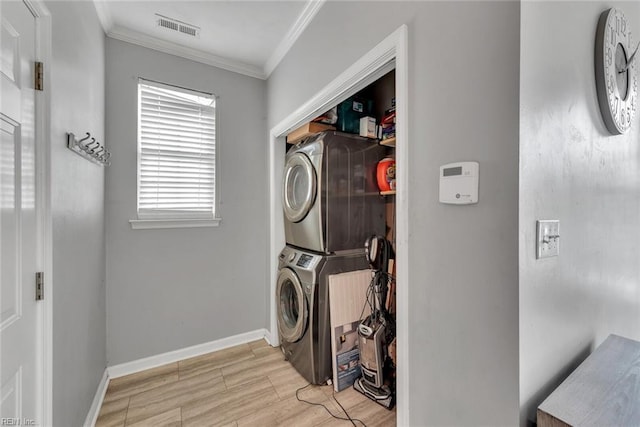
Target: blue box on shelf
x=350 y=112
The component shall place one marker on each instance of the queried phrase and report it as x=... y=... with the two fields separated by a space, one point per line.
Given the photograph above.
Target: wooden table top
x=603 y=391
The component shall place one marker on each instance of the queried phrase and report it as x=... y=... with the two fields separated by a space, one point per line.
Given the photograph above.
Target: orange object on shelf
x=386 y=174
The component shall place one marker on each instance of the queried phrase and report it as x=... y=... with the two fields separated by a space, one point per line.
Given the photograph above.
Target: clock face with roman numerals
x=616 y=80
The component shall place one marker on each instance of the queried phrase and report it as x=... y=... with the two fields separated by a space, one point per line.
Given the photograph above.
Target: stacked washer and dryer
x=331 y=206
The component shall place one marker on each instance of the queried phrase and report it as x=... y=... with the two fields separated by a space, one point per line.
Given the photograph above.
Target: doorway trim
x=393 y=50
x=44 y=334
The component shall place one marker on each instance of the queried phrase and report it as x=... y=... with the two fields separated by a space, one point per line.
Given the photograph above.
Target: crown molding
x=104 y=15
x=304 y=19
x=126 y=35
x=130 y=36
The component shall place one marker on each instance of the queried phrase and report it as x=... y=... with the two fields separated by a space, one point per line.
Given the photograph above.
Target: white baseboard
x=92 y=416
x=185 y=353
x=268 y=339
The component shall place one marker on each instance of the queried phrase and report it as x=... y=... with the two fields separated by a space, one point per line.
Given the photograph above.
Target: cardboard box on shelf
x=306 y=130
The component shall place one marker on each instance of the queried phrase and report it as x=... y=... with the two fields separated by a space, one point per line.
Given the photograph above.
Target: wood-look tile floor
x=246 y=385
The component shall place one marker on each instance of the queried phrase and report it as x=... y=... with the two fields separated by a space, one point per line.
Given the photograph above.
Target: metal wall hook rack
x=89 y=148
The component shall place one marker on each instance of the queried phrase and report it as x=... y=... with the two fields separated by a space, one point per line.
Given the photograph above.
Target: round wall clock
x=616 y=80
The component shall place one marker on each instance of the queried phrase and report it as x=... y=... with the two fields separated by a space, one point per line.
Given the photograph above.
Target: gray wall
x=463 y=102
x=77 y=201
x=172 y=288
x=572 y=170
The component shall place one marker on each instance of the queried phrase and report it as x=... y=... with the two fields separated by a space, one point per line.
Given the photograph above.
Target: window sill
x=146 y=224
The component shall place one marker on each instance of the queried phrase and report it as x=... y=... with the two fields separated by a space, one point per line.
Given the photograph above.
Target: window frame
x=168 y=219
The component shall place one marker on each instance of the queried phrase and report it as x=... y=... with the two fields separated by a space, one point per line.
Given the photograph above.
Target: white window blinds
x=176 y=152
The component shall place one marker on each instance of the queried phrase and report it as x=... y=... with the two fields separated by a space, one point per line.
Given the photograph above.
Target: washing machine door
x=298 y=187
x=293 y=311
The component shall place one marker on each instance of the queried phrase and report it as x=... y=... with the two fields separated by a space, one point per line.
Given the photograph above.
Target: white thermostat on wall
x=459 y=183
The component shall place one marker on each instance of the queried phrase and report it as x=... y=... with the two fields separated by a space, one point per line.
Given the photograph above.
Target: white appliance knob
x=292 y=256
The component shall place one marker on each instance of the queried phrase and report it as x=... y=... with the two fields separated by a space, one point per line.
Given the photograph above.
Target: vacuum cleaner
x=377 y=330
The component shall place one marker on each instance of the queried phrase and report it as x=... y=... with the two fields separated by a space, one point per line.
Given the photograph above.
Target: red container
x=386 y=174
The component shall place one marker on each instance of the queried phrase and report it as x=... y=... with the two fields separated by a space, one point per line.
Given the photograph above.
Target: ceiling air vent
x=179 y=26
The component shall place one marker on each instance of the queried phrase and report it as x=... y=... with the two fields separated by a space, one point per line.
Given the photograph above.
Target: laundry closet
x=335 y=291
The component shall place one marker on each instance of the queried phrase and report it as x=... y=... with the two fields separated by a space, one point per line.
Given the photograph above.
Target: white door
x=19 y=347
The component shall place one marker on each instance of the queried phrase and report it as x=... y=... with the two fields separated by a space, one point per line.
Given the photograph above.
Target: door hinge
x=39 y=76
x=39 y=286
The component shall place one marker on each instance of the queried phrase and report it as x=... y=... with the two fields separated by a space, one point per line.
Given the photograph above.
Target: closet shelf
x=389 y=142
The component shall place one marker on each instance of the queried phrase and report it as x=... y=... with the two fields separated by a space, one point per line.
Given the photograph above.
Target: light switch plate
x=548 y=238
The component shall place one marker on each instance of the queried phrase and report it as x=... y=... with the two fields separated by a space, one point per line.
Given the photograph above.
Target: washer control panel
x=299 y=259
x=304 y=260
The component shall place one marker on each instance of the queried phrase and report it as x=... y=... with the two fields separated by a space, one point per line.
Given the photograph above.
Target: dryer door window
x=292 y=306
x=298 y=187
